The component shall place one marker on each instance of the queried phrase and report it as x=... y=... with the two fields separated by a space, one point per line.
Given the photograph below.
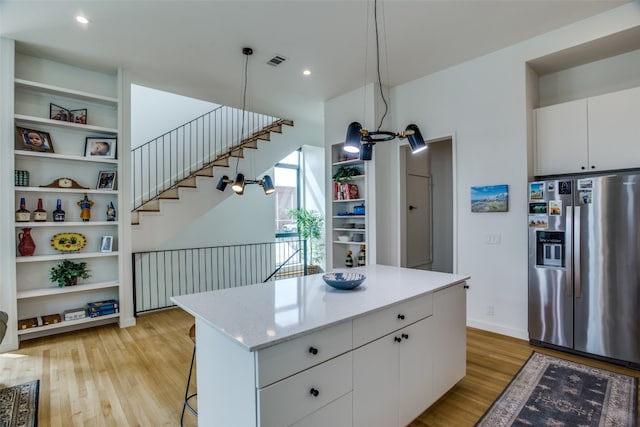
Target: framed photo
x=78 y=116
x=100 y=147
x=34 y=140
x=57 y=112
x=106 y=180
x=106 y=244
x=490 y=198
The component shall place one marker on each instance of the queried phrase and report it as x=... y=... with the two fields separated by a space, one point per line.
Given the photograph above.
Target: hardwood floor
x=136 y=376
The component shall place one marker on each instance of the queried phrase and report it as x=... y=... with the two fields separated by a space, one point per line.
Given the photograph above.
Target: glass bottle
x=348 y=262
x=362 y=257
x=58 y=214
x=23 y=214
x=39 y=215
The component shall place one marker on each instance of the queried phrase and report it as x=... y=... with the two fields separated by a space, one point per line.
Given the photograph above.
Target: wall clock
x=64 y=183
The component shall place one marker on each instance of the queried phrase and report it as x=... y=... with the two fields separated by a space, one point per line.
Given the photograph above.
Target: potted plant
x=345 y=173
x=67 y=273
x=310 y=228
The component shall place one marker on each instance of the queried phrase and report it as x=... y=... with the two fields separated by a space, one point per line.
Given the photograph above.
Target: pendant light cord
x=244 y=101
x=375 y=20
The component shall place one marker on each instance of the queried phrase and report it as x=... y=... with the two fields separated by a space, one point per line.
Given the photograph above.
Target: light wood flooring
x=136 y=376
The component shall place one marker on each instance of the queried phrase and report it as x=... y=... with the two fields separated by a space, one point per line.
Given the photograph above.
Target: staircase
x=183 y=156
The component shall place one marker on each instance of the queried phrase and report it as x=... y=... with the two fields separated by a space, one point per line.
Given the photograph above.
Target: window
x=286 y=174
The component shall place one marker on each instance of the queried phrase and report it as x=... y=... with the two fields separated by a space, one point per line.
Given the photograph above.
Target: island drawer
x=290 y=357
x=292 y=399
x=377 y=324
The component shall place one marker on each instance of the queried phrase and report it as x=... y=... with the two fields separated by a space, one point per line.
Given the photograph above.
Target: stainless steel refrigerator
x=584 y=265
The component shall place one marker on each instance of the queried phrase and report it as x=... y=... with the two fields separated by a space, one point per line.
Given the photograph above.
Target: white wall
x=155 y=112
x=483 y=104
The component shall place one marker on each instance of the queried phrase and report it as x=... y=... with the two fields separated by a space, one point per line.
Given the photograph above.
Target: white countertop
x=261 y=315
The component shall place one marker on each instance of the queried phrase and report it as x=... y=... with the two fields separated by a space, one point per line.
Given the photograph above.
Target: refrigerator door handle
x=569 y=252
x=576 y=252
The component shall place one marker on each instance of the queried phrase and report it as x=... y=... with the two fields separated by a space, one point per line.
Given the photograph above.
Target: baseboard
x=499 y=329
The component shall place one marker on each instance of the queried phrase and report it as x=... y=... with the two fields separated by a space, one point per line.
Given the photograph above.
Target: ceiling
x=194 y=47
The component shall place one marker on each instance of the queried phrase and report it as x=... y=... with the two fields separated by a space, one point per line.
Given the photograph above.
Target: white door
x=418 y=222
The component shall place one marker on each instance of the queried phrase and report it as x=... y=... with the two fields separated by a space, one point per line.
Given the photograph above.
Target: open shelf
x=55 y=156
x=67 y=323
x=63 y=190
x=65 y=223
x=61 y=91
x=22 y=118
x=35 y=293
x=75 y=255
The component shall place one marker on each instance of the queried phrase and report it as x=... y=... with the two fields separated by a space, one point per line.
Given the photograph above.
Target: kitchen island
x=297 y=352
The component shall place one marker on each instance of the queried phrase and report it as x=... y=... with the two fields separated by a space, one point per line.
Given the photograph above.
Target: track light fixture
x=359 y=140
x=240 y=182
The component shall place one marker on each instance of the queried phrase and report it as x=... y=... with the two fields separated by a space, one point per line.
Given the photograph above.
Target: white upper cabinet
x=561 y=138
x=614 y=130
x=589 y=135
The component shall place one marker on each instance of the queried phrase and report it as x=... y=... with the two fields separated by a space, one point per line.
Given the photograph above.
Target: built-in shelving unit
x=72 y=88
x=348 y=207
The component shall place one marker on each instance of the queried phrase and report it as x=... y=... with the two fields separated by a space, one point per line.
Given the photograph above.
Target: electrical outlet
x=490 y=310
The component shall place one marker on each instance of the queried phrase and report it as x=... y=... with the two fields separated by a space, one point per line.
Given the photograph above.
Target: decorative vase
x=26 y=245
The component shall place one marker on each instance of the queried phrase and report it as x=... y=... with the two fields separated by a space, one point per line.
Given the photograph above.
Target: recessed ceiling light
x=307 y=72
x=81 y=19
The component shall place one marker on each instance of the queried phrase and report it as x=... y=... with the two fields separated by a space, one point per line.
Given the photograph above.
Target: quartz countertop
x=262 y=315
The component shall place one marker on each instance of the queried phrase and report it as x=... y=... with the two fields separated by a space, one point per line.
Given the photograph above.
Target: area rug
x=19 y=405
x=548 y=391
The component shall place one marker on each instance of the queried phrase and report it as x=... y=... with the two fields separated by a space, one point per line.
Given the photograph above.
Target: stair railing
x=160 y=164
x=160 y=275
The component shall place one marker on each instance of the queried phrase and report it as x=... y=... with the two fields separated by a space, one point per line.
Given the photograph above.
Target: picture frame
x=107 y=180
x=78 y=116
x=490 y=198
x=101 y=147
x=57 y=112
x=33 y=140
x=106 y=244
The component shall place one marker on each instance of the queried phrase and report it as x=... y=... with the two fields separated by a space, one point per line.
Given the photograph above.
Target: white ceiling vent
x=276 y=60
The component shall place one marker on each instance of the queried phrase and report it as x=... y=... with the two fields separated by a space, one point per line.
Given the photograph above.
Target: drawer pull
x=313 y=350
x=396 y=339
x=405 y=336
x=401 y=316
x=314 y=392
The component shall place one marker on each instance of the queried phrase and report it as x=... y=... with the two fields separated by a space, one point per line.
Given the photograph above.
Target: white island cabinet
x=296 y=352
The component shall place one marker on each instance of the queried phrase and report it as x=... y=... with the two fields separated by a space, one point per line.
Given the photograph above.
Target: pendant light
x=240 y=182
x=359 y=140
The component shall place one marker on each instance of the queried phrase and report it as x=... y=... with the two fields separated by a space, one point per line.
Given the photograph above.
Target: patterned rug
x=554 y=392
x=19 y=405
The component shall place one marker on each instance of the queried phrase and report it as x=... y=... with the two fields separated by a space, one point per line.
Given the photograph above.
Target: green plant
x=345 y=173
x=67 y=273
x=310 y=228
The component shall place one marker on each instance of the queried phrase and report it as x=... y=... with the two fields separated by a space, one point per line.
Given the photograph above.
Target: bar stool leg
x=186 y=403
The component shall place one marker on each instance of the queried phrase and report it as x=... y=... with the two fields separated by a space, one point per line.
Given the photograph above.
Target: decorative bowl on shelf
x=343 y=238
x=343 y=281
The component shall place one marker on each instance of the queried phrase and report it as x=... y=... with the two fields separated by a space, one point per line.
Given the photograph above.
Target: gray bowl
x=344 y=281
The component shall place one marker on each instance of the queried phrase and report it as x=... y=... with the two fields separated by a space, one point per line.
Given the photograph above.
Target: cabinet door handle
x=314 y=392
x=466 y=286
x=396 y=339
x=405 y=336
x=401 y=316
x=313 y=350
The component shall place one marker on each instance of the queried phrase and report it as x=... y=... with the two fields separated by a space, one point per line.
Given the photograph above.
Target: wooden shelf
x=66 y=323
x=63 y=190
x=35 y=293
x=54 y=156
x=58 y=123
x=349 y=216
x=67 y=93
x=71 y=255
